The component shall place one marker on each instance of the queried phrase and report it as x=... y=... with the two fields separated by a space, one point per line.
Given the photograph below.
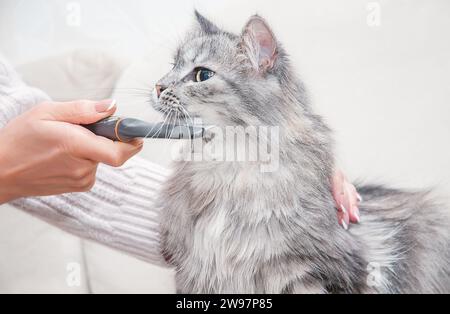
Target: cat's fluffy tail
x=406 y=240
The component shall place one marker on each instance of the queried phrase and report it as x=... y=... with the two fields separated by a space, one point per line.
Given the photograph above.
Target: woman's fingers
x=346 y=199
x=337 y=187
x=343 y=218
x=353 y=203
x=339 y=195
x=79 y=141
x=76 y=112
x=115 y=154
x=103 y=150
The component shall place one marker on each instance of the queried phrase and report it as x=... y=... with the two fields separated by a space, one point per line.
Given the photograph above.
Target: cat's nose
x=159 y=89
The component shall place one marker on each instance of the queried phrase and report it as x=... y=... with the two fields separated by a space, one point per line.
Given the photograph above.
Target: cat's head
x=228 y=80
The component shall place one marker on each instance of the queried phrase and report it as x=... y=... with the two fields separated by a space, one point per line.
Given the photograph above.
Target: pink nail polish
x=344 y=225
x=359 y=197
x=357 y=215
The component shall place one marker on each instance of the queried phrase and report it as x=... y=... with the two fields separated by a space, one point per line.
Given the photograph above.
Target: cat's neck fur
x=305 y=164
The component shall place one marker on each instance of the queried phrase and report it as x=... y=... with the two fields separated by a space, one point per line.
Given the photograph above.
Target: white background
x=384 y=89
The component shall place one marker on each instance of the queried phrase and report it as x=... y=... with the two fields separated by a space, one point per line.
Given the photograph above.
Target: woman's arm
x=117 y=212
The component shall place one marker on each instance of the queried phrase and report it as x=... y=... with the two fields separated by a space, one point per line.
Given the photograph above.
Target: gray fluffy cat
x=230 y=228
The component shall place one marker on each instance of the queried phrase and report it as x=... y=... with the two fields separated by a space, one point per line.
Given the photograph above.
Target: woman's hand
x=346 y=198
x=45 y=152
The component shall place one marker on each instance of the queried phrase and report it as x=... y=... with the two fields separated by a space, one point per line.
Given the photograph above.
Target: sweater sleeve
x=15 y=96
x=120 y=210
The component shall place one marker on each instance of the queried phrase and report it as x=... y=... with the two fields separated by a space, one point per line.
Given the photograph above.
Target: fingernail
x=343 y=209
x=105 y=105
x=359 y=197
x=357 y=216
x=344 y=225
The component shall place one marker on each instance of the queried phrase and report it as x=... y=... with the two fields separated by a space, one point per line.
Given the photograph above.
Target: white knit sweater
x=119 y=210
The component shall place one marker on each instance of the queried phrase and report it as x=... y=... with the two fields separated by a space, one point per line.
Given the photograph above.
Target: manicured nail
x=105 y=105
x=343 y=209
x=112 y=105
x=344 y=225
x=359 y=197
x=357 y=216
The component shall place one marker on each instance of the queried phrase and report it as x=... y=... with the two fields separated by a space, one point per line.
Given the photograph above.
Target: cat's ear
x=206 y=25
x=259 y=43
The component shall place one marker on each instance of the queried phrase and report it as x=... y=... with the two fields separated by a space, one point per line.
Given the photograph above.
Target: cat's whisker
x=169 y=121
x=186 y=115
x=175 y=122
x=172 y=113
x=161 y=126
x=168 y=113
x=189 y=119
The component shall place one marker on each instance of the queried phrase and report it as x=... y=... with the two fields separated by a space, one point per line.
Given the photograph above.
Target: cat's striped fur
x=229 y=228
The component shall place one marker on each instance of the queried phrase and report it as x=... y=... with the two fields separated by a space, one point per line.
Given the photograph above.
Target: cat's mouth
x=173 y=110
x=174 y=113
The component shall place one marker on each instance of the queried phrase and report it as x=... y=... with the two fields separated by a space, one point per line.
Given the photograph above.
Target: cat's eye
x=203 y=74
